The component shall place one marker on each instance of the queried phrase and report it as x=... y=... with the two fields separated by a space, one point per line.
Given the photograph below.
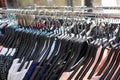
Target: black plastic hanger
x=22 y=43
x=66 y=56
x=10 y=32
x=40 y=46
x=40 y=43
x=57 y=59
x=27 y=52
x=35 y=45
x=48 y=50
x=117 y=75
x=86 y=64
x=89 y=63
x=31 y=46
x=10 y=40
x=15 y=43
x=115 y=66
x=108 y=59
x=30 y=49
x=81 y=61
x=96 y=65
x=38 y=75
x=44 y=49
x=23 y=55
x=75 y=58
x=100 y=57
x=6 y=35
x=49 y=63
x=106 y=63
x=17 y=37
x=72 y=57
x=57 y=45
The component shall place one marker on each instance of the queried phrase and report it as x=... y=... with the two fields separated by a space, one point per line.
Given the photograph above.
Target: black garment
x=5 y=67
x=1 y=64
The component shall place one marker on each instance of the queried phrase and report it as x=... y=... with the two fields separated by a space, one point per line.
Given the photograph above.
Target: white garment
x=23 y=72
x=16 y=76
x=13 y=68
x=20 y=75
x=23 y=67
x=10 y=51
x=3 y=51
x=13 y=74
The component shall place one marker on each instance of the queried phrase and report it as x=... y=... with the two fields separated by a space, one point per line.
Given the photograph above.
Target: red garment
x=38 y=26
x=104 y=58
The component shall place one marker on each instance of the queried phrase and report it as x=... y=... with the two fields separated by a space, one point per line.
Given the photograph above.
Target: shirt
x=3 y=51
x=19 y=75
x=13 y=68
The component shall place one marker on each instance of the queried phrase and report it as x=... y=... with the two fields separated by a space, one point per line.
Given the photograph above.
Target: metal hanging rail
x=67 y=10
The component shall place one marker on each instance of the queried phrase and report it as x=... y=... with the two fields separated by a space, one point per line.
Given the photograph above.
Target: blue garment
x=30 y=71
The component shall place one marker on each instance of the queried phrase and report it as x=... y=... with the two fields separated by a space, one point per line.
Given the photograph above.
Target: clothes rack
x=34 y=46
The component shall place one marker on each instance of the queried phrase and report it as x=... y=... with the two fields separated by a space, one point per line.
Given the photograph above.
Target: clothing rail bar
x=71 y=8
x=93 y=14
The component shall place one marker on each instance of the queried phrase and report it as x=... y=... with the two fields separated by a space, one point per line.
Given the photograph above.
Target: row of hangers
x=27 y=18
